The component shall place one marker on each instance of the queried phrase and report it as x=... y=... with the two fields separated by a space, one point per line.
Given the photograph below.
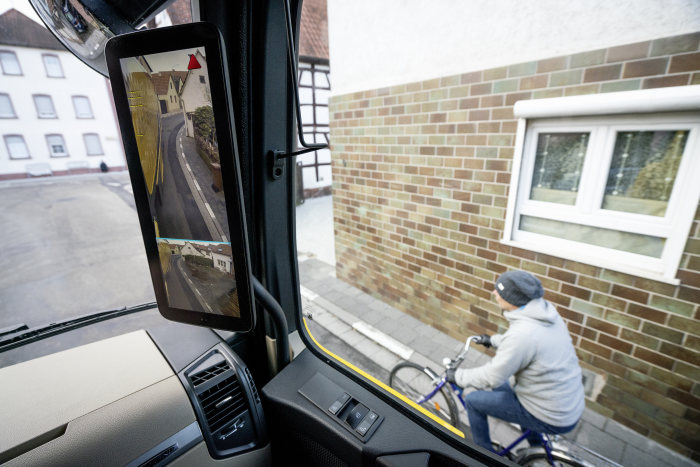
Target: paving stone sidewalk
x=339 y=307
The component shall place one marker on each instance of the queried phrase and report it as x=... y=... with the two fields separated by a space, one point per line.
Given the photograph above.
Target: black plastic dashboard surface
x=305 y=431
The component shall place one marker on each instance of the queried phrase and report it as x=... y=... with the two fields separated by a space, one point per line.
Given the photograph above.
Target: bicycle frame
x=440 y=382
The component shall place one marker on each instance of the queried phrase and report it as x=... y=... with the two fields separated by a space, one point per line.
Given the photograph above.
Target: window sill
x=597 y=262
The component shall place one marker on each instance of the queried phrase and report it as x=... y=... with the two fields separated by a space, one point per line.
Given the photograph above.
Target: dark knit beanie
x=519 y=287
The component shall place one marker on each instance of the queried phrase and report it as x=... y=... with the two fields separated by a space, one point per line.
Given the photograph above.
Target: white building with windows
x=56 y=114
x=195 y=92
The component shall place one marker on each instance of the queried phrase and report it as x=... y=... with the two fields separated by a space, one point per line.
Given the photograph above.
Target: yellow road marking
x=386 y=387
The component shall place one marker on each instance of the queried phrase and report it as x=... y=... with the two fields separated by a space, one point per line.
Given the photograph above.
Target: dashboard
x=136 y=399
x=180 y=395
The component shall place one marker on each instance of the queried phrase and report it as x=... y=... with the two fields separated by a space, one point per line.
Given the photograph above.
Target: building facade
x=56 y=115
x=314 y=89
x=195 y=92
x=442 y=184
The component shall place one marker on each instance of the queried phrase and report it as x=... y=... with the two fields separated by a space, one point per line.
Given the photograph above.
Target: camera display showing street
x=171 y=111
x=198 y=276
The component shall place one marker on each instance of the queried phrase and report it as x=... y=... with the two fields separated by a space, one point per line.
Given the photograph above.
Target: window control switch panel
x=349 y=412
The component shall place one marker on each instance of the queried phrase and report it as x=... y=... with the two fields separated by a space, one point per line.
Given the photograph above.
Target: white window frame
x=10 y=53
x=13 y=114
x=63 y=143
x=48 y=67
x=9 y=151
x=89 y=107
x=38 y=110
x=658 y=109
x=87 y=146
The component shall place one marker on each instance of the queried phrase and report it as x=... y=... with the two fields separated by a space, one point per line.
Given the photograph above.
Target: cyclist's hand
x=484 y=340
x=450 y=377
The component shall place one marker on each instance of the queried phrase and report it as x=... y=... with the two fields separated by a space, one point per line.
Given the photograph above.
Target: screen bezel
x=170 y=39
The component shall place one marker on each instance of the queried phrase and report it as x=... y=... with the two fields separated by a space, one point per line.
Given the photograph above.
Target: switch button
x=356 y=415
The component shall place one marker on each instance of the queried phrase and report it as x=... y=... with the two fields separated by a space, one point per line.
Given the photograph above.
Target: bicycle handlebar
x=457 y=361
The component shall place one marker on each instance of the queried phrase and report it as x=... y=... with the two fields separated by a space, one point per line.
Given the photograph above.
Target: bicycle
x=432 y=391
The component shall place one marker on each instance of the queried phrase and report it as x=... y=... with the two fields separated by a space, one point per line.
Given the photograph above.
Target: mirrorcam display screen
x=171 y=111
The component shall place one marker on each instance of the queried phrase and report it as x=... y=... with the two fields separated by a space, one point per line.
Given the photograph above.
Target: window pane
x=92 y=144
x=16 y=147
x=558 y=163
x=6 y=110
x=643 y=170
x=10 y=65
x=56 y=145
x=624 y=241
x=82 y=107
x=53 y=66
x=44 y=106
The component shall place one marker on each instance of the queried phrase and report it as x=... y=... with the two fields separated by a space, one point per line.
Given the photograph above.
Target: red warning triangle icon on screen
x=194 y=64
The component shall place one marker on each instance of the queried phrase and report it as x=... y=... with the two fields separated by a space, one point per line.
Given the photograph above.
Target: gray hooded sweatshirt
x=538 y=351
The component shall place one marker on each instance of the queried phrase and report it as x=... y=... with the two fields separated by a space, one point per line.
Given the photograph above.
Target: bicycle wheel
x=414 y=382
x=538 y=458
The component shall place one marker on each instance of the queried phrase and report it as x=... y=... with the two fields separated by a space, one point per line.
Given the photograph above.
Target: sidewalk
x=349 y=314
x=212 y=205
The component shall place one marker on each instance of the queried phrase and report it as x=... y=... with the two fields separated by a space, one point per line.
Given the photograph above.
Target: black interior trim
x=303 y=430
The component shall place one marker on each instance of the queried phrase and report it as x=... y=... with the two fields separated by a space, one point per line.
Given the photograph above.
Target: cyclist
x=547 y=395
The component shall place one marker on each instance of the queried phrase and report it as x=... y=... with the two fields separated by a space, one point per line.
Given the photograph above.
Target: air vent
x=209 y=373
x=222 y=403
x=252 y=385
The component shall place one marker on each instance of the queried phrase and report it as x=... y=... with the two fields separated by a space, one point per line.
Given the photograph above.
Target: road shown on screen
x=178 y=213
x=181 y=293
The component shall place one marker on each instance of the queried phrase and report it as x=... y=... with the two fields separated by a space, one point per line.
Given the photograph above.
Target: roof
x=17 y=29
x=222 y=249
x=161 y=80
x=314 y=29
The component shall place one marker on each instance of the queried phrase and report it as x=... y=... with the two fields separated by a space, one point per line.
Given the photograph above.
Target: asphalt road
x=180 y=294
x=71 y=245
x=178 y=215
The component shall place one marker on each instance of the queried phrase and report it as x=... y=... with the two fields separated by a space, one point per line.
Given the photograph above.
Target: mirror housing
x=85 y=26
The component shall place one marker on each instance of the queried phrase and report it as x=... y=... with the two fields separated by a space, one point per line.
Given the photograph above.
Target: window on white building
x=57 y=147
x=52 y=64
x=6 y=108
x=82 y=107
x=9 y=63
x=44 y=106
x=93 y=147
x=16 y=147
x=616 y=191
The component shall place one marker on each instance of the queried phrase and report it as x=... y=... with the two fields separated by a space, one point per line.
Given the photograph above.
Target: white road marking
x=308 y=294
x=382 y=339
x=114 y=184
x=188 y=167
x=211 y=213
x=196 y=184
x=223 y=238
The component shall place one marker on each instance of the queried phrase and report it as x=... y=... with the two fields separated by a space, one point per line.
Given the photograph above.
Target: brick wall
x=421 y=174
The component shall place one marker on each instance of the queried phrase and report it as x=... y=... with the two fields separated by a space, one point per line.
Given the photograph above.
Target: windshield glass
x=73 y=245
